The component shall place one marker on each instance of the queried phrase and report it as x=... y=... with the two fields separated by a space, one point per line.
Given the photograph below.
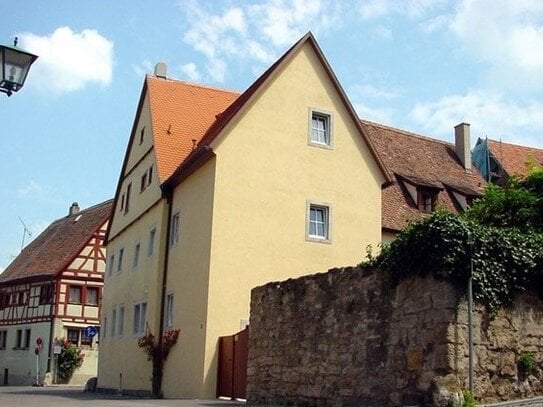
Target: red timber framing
x=81 y=283
x=40 y=299
x=26 y=302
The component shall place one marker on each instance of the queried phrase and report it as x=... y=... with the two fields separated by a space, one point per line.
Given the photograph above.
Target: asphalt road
x=60 y=396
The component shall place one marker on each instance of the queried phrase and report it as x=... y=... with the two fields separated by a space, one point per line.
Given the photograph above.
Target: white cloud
x=32 y=188
x=251 y=32
x=506 y=35
x=373 y=9
x=366 y=91
x=489 y=115
x=68 y=60
x=191 y=71
x=146 y=67
x=380 y=115
x=382 y=33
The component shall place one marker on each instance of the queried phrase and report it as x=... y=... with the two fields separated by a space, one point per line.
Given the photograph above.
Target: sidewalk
x=60 y=396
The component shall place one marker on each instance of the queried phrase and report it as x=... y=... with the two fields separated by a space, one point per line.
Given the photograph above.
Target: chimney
x=462 y=143
x=74 y=208
x=161 y=70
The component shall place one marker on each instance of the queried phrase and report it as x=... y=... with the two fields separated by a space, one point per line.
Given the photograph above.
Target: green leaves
x=505 y=261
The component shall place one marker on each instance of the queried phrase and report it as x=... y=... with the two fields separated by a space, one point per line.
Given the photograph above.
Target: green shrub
x=469 y=400
x=526 y=363
x=69 y=360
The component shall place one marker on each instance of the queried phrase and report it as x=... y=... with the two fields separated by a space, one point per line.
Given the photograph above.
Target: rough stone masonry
x=349 y=338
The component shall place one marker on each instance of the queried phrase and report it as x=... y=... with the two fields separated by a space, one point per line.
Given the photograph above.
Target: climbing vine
x=505 y=261
x=157 y=351
x=499 y=241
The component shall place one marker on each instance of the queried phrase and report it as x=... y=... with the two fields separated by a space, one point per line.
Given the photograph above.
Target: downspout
x=169 y=197
x=53 y=304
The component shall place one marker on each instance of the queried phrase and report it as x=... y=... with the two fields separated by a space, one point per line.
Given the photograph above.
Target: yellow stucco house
x=220 y=192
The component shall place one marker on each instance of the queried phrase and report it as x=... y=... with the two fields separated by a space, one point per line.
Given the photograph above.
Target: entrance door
x=232 y=372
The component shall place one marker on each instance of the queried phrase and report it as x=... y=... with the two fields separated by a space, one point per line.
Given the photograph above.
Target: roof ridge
x=512 y=144
x=194 y=84
x=87 y=209
x=406 y=132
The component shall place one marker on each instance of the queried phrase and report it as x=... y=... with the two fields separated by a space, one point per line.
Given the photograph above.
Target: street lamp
x=14 y=66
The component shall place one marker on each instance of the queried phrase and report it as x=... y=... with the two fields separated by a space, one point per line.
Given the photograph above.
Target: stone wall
x=348 y=338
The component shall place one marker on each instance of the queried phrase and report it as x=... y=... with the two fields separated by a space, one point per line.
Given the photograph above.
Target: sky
x=420 y=65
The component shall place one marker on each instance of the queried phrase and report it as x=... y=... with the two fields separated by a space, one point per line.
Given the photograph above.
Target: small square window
x=318 y=222
x=136 y=255
x=73 y=336
x=127 y=199
x=3 y=339
x=174 y=229
x=169 y=311
x=46 y=294
x=320 y=129
x=74 y=294
x=151 y=247
x=27 y=338
x=120 y=261
x=140 y=315
x=110 y=265
x=427 y=200
x=92 y=296
x=143 y=182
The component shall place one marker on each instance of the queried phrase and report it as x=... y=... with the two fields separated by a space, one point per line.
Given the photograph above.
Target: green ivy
x=505 y=261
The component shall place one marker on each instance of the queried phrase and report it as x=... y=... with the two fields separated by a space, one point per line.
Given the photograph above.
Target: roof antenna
x=25 y=232
x=193 y=144
x=169 y=131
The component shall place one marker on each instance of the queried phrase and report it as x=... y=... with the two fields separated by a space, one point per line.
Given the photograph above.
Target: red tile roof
x=515 y=159
x=56 y=247
x=230 y=113
x=421 y=161
x=181 y=113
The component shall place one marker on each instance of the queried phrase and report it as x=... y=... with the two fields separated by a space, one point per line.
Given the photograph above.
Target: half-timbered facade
x=52 y=291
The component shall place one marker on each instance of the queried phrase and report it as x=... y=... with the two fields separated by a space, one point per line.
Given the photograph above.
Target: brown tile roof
x=181 y=114
x=56 y=247
x=514 y=159
x=421 y=161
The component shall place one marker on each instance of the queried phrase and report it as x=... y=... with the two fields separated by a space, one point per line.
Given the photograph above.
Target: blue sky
x=420 y=65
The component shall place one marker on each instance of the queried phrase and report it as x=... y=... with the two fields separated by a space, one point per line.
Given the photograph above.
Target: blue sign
x=91 y=331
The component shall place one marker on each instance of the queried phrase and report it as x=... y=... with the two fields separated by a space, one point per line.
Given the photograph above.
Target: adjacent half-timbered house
x=52 y=291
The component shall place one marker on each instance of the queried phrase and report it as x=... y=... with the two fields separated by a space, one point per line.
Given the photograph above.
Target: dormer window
x=426 y=199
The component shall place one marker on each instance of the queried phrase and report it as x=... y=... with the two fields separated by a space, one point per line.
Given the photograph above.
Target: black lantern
x=14 y=66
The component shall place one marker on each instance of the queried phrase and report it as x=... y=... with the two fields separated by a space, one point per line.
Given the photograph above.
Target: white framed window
x=127 y=199
x=169 y=311
x=174 y=229
x=113 y=322
x=320 y=129
x=140 y=315
x=103 y=330
x=3 y=339
x=120 y=261
x=120 y=324
x=152 y=238
x=111 y=265
x=136 y=255
x=318 y=222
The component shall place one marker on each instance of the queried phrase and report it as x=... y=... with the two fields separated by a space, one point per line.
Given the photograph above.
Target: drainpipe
x=52 y=328
x=169 y=197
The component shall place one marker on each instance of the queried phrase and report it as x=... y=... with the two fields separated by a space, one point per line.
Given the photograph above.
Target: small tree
x=157 y=352
x=69 y=359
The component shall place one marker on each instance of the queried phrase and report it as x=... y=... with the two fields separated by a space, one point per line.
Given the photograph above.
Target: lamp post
x=14 y=66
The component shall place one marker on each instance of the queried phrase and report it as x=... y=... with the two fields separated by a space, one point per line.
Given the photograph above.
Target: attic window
x=142 y=135
x=426 y=199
